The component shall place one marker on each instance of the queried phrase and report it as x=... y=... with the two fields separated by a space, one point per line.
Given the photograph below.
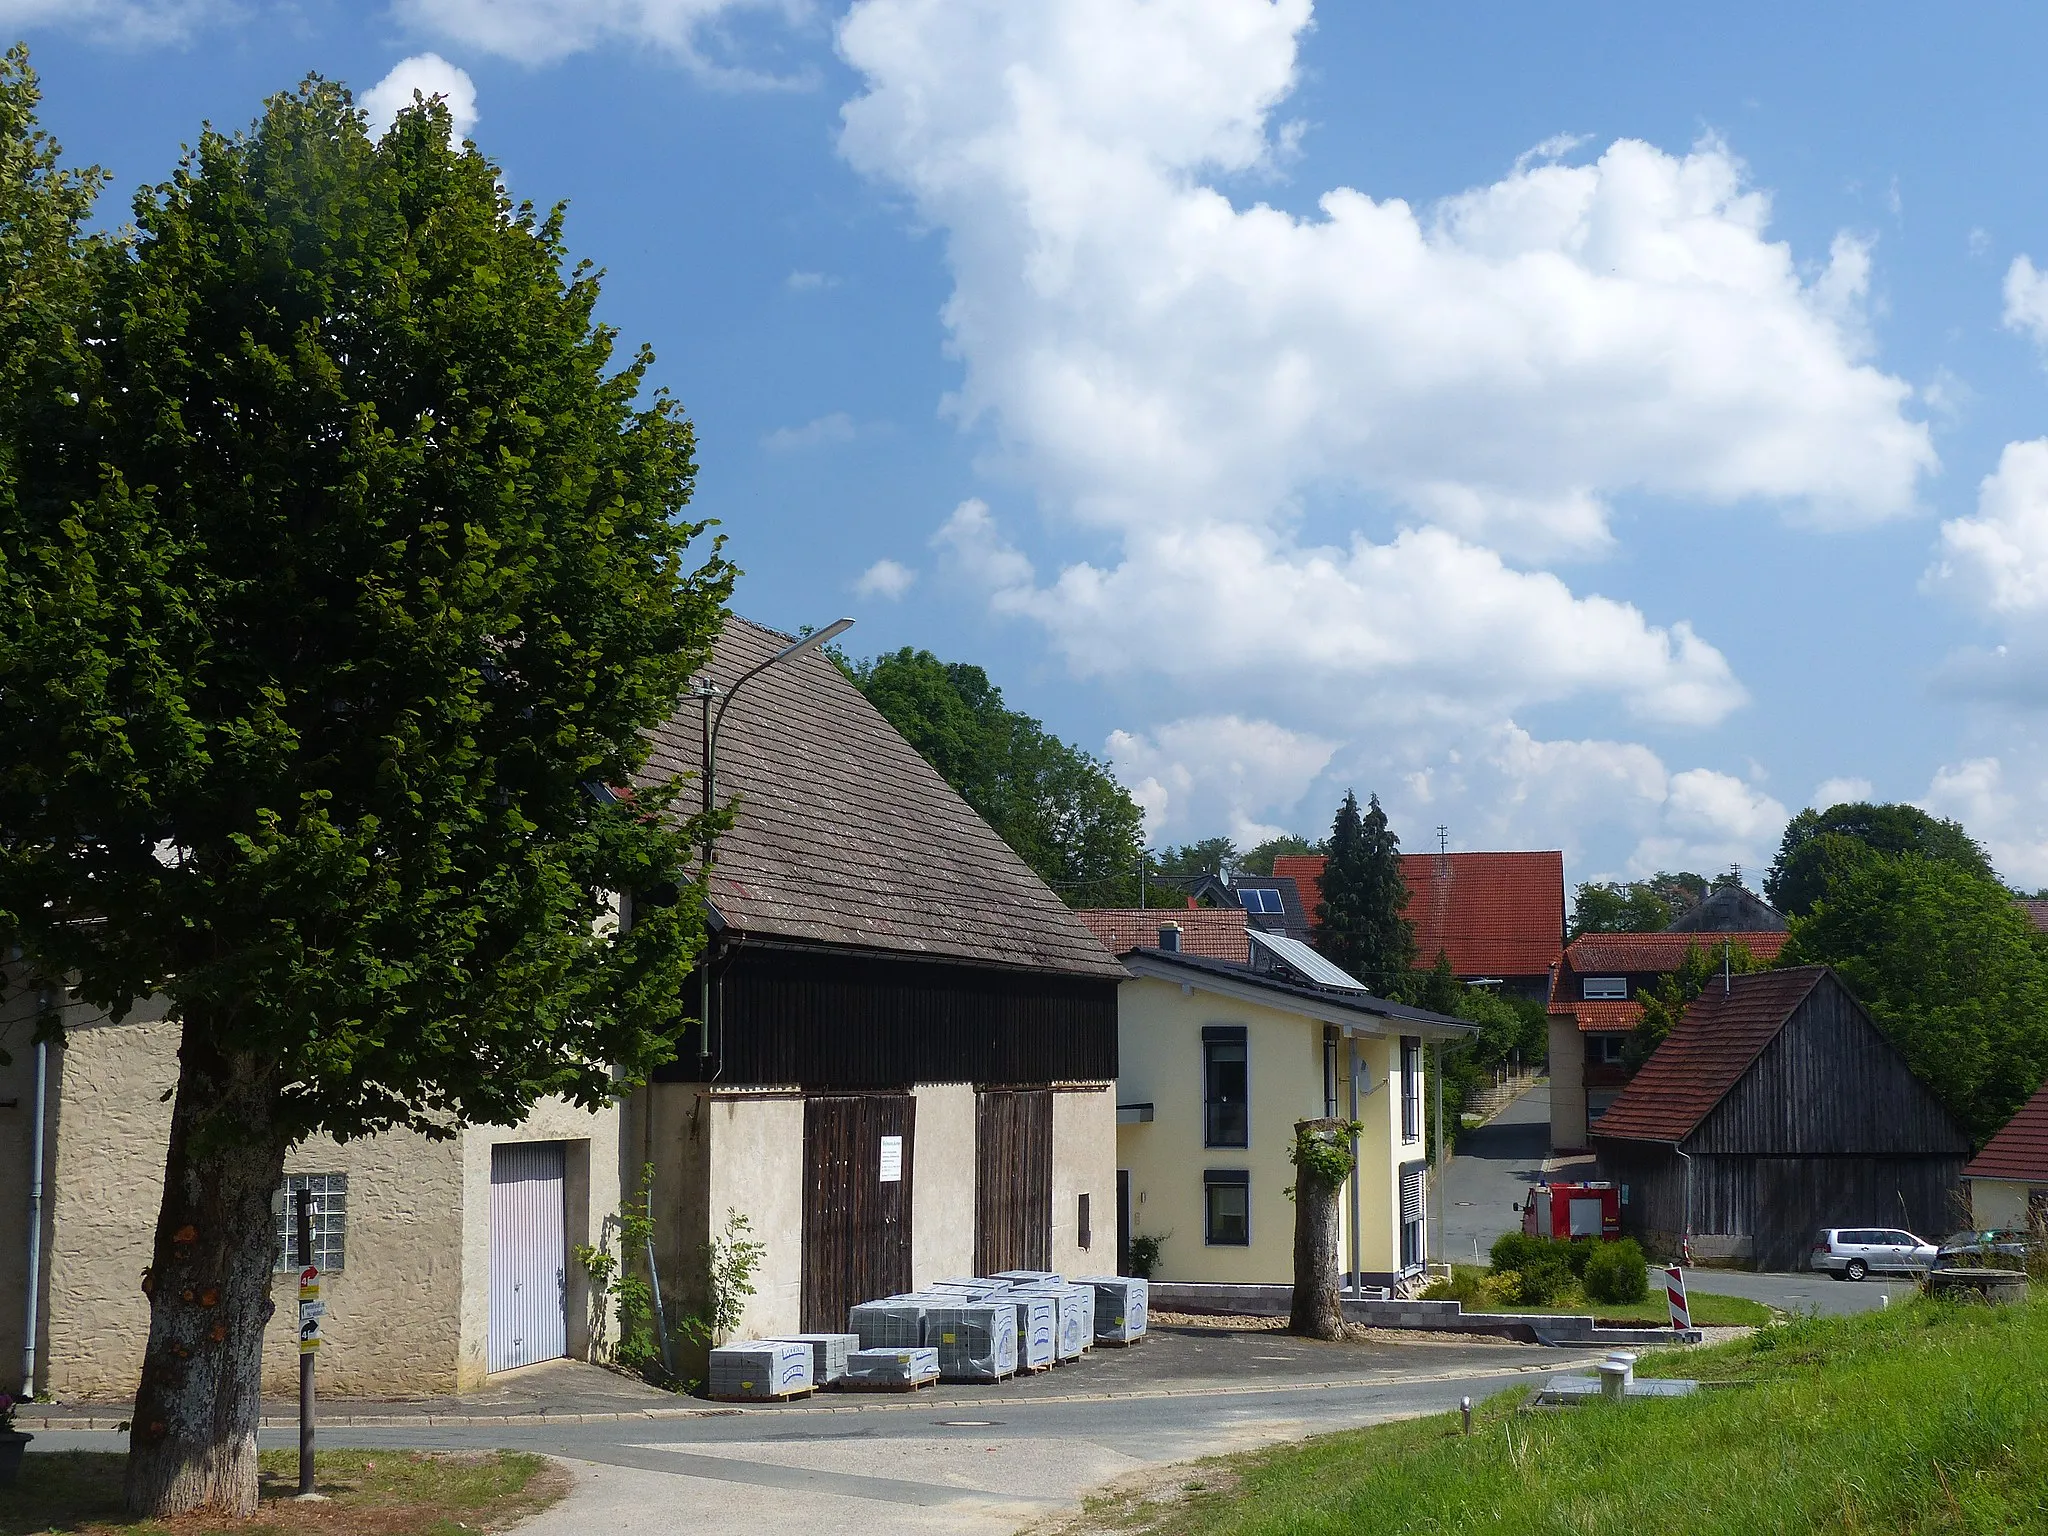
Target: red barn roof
x=1706 y=1055
x=1492 y=914
x=2020 y=1151
x=1214 y=932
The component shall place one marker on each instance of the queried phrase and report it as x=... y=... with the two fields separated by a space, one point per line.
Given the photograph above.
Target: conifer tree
x=1361 y=929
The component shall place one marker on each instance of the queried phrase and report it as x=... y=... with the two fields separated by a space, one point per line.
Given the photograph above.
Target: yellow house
x=2008 y=1180
x=1217 y=1060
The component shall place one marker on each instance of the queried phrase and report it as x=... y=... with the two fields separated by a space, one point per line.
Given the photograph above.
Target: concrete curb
x=1199 y=1297
x=909 y=1402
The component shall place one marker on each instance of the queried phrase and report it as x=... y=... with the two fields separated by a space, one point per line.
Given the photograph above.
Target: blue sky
x=1587 y=429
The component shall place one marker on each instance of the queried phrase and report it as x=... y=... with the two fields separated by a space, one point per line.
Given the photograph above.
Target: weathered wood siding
x=835 y=1021
x=1830 y=1082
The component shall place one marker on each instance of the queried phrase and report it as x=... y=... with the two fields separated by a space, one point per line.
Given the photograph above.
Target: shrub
x=1512 y=1249
x=1617 y=1273
x=1545 y=1275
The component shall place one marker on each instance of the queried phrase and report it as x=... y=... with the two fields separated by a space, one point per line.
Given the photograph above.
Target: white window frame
x=1603 y=989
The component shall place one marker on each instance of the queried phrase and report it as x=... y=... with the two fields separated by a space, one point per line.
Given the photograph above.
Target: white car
x=1850 y=1253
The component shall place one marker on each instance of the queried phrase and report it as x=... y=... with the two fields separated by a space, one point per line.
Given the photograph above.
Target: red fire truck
x=1573 y=1210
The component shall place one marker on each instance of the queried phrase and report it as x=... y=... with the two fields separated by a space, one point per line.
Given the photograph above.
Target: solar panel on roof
x=1259 y=898
x=1297 y=956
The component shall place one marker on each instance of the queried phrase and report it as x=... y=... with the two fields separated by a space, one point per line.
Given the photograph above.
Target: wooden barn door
x=1012 y=1180
x=857 y=1165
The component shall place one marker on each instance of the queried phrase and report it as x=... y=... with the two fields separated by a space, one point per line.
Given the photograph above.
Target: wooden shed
x=1778 y=1107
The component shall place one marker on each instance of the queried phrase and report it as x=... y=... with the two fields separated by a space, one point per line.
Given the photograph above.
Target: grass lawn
x=370 y=1493
x=1927 y=1417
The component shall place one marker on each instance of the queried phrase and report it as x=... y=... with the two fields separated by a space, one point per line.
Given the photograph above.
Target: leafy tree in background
x=1637 y=906
x=1664 y=1007
x=1360 y=926
x=1183 y=867
x=1821 y=847
x=1437 y=988
x=339 y=578
x=1950 y=967
x=1258 y=860
x=1060 y=809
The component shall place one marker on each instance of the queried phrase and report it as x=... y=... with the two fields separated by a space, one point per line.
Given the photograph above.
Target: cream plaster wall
x=17 y=1084
x=942 y=1182
x=756 y=1169
x=1159 y=1031
x=2001 y=1202
x=1567 y=1086
x=1083 y=1162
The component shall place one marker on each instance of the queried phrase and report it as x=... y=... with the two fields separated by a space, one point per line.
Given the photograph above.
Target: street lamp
x=705 y=692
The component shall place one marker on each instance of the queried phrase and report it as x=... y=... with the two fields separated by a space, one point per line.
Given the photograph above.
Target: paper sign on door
x=892 y=1159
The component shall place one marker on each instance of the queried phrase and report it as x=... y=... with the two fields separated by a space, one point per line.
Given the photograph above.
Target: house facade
x=912 y=1045
x=1595 y=1004
x=2008 y=1179
x=425 y=1292
x=1218 y=1061
x=1498 y=918
x=1775 y=1108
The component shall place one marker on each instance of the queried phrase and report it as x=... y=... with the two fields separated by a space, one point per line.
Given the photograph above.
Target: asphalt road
x=1497 y=1163
x=966 y=1464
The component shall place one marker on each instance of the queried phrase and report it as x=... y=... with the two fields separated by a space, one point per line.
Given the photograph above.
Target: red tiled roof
x=1602 y=1017
x=1492 y=914
x=1706 y=1055
x=2020 y=1150
x=1620 y=954
x=1214 y=932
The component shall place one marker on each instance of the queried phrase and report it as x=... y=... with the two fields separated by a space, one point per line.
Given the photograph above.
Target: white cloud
x=1841 y=792
x=2007 y=813
x=1999 y=558
x=886 y=579
x=429 y=75
x=809 y=282
x=1218 y=771
x=1501 y=362
x=130 y=23
x=837 y=427
x=542 y=31
x=2026 y=300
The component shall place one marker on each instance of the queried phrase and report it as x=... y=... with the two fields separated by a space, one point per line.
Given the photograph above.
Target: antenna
x=1727 y=985
x=1443 y=848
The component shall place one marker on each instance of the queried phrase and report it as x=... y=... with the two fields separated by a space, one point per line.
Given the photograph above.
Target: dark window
x=330 y=1220
x=1226 y=1085
x=1411 y=1088
x=1604 y=988
x=1605 y=1050
x=1414 y=1209
x=1227 y=1207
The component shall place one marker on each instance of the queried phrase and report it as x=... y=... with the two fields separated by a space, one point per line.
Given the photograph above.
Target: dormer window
x=1604 y=989
x=1259 y=898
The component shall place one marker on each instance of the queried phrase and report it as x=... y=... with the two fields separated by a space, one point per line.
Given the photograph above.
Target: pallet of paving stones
x=889 y=1370
x=761 y=1371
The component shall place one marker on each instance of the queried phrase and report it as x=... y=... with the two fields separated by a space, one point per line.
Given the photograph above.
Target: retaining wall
x=1431 y=1316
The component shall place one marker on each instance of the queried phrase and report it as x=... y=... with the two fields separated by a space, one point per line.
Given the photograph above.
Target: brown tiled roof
x=1604 y=1017
x=1492 y=914
x=1215 y=932
x=2020 y=1150
x=1706 y=1055
x=846 y=836
x=2037 y=910
x=1619 y=954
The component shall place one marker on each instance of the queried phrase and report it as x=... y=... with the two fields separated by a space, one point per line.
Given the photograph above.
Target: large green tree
x=348 y=575
x=1060 y=809
x=1706 y=959
x=1258 y=859
x=1359 y=923
x=1820 y=847
x=1951 y=968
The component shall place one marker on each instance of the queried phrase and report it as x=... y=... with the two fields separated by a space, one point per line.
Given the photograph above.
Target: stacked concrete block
x=896 y=1322
x=871 y=1368
x=976 y=1342
x=1121 y=1305
x=828 y=1353
x=764 y=1369
x=1038 y=1321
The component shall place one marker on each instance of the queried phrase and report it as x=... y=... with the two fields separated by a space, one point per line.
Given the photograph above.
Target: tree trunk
x=1318 y=1309
x=193 y=1441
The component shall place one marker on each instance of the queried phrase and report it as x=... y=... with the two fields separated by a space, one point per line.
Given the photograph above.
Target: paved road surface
x=972 y=1462
x=1496 y=1164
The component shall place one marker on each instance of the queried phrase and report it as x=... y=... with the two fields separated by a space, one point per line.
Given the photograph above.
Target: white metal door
x=528 y=1251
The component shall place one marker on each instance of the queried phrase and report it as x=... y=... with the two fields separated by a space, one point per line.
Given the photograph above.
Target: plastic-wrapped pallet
x=891 y=1368
x=1038 y=1322
x=1120 y=1307
x=1074 y=1318
x=895 y=1322
x=976 y=1342
x=763 y=1368
x=1024 y=1277
x=1086 y=1293
x=828 y=1353
x=977 y=1289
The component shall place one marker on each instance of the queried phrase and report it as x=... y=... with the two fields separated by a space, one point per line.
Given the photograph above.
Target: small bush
x=1512 y=1250
x=1617 y=1273
x=1545 y=1275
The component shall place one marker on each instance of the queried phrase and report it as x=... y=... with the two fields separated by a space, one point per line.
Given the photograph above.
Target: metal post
x=33 y=1320
x=307 y=1357
x=1351 y=1061
x=1438 y=1052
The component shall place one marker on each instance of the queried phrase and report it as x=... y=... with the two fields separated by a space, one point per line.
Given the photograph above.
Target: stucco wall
x=942 y=1182
x=1083 y=1162
x=756 y=1170
x=2001 y=1202
x=1160 y=1049
x=1567 y=1086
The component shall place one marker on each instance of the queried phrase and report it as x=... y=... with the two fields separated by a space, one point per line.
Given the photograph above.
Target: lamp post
x=705 y=693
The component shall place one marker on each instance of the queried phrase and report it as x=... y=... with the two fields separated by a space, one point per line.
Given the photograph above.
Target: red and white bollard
x=1674 y=1293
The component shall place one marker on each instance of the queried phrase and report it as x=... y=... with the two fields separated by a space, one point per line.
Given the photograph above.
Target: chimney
x=1169 y=937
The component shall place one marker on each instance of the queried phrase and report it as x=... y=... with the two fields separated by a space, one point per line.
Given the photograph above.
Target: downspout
x=1437 y=1050
x=1329 y=1071
x=1357 y=1278
x=35 y=1221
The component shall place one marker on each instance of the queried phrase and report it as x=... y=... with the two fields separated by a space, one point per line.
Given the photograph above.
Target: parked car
x=1850 y=1253
x=1989 y=1248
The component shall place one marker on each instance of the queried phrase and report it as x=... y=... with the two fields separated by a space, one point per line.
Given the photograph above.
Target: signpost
x=1674 y=1293
x=311 y=1310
